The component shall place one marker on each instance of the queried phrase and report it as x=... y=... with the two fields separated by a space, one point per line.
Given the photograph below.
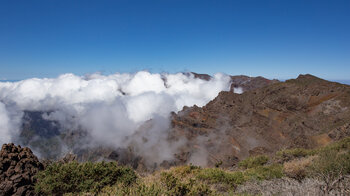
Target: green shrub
x=74 y=177
x=331 y=164
x=216 y=175
x=200 y=189
x=176 y=186
x=136 y=189
x=253 y=161
x=142 y=189
x=331 y=167
x=343 y=144
x=289 y=154
x=185 y=170
x=264 y=172
x=232 y=179
x=171 y=182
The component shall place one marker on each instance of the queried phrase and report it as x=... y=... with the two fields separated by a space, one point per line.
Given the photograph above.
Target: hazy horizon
x=343 y=81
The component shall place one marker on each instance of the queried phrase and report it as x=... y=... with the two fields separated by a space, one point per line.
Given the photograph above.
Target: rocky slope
x=304 y=112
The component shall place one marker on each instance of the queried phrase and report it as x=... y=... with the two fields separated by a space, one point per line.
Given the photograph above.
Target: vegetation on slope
x=74 y=177
x=329 y=165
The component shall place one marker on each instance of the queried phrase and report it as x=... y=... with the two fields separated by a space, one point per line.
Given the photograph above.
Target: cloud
x=110 y=107
x=238 y=90
x=10 y=119
x=4 y=125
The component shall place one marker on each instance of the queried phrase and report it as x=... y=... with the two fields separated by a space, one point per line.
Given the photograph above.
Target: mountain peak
x=307 y=76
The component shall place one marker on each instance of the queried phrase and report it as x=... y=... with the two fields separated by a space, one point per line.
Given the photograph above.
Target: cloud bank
x=110 y=108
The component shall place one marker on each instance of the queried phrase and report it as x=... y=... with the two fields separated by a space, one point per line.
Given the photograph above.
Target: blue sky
x=275 y=39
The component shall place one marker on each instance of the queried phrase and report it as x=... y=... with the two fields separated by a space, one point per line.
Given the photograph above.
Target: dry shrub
x=288 y=186
x=297 y=168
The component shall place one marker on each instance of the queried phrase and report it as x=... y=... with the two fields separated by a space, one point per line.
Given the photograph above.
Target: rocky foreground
x=18 y=167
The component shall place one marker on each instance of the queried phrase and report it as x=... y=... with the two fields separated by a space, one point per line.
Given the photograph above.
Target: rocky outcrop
x=18 y=167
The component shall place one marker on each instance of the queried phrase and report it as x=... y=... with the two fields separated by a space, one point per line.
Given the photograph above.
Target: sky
x=271 y=38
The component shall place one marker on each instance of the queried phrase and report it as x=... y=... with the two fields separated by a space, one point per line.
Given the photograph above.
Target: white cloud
x=111 y=108
x=5 y=135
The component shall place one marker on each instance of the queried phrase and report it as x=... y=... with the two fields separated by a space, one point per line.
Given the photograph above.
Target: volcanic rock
x=18 y=167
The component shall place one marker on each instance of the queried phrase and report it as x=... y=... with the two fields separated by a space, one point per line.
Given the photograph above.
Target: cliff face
x=304 y=112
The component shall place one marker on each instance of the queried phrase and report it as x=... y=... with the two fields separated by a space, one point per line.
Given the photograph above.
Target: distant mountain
x=241 y=81
x=250 y=83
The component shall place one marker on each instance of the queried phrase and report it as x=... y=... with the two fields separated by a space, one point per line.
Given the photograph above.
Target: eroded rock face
x=18 y=167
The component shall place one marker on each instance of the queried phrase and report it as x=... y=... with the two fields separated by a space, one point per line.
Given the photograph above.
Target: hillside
x=305 y=112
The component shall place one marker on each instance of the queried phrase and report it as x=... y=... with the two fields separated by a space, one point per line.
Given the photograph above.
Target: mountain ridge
x=297 y=113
